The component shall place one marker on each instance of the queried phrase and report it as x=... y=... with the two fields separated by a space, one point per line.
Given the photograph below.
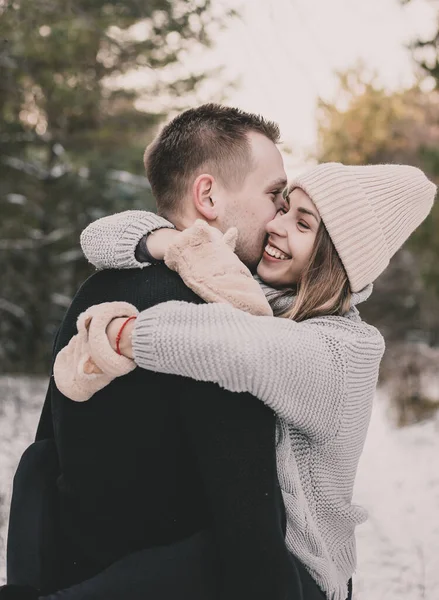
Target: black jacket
x=153 y=458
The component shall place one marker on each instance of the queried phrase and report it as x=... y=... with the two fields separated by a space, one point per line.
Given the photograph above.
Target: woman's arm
x=111 y=242
x=115 y=242
x=202 y=256
x=298 y=369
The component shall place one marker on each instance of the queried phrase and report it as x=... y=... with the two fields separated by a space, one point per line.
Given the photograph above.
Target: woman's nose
x=276 y=226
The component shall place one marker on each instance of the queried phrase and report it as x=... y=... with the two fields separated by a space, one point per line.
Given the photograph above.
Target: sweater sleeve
x=297 y=369
x=110 y=242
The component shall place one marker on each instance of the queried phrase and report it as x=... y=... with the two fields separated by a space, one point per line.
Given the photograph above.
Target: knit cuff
x=144 y=340
x=124 y=252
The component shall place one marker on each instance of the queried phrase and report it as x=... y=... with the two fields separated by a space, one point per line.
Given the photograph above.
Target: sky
x=285 y=53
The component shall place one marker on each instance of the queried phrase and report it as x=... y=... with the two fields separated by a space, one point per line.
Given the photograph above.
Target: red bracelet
x=119 y=335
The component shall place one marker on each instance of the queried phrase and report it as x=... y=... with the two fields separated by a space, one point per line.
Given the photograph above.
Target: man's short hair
x=211 y=138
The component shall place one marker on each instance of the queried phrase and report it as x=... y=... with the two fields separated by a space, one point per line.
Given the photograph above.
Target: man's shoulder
x=141 y=287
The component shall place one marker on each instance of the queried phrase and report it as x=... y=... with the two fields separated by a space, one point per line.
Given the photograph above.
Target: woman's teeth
x=275 y=252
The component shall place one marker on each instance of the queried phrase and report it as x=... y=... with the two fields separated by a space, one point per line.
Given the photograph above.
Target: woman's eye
x=281 y=211
x=302 y=224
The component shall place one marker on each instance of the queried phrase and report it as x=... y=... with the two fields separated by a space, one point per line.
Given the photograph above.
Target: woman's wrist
x=119 y=333
x=158 y=241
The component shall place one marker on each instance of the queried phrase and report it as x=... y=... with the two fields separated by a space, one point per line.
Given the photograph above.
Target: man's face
x=256 y=202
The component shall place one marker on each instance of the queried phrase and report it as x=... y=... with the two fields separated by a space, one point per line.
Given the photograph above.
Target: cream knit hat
x=369 y=211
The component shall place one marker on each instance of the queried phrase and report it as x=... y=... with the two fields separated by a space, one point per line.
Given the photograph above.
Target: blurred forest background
x=72 y=134
x=84 y=87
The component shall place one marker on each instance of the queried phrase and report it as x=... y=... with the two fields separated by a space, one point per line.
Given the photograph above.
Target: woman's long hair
x=323 y=287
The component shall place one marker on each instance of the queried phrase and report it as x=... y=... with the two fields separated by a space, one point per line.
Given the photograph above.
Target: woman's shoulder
x=349 y=328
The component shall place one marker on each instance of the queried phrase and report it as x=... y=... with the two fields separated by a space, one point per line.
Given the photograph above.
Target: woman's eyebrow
x=305 y=211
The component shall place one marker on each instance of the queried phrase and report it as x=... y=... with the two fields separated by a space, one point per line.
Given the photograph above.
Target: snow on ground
x=398 y=482
x=20 y=405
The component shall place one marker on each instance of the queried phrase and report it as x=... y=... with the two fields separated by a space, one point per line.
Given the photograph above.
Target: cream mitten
x=91 y=343
x=205 y=260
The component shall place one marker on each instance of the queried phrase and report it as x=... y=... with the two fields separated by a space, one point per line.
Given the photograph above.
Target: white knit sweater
x=319 y=376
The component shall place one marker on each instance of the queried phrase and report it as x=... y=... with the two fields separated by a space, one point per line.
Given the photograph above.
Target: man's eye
x=275 y=193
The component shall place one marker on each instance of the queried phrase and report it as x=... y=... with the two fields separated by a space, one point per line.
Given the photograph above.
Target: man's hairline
x=252 y=162
x=202 y=169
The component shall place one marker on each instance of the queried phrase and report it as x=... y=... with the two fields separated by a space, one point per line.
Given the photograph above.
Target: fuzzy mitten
x=205 y=260
x=91 y=344
x=18 y=592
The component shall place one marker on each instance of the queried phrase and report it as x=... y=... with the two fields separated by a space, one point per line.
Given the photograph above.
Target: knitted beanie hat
x=369 y=211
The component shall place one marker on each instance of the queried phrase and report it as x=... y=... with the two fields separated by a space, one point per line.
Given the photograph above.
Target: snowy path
x=398 y=482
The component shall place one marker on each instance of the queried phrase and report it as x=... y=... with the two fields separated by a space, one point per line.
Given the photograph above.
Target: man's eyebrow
x=305 y=211
x=277 y=183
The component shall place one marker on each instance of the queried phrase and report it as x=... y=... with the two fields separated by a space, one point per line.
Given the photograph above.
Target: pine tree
x=72 y=134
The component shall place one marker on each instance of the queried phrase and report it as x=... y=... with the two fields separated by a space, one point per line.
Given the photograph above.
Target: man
x=148 y=462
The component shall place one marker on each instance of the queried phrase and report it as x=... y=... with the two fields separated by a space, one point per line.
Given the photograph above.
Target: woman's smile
x=290 y=240
x=273 y=253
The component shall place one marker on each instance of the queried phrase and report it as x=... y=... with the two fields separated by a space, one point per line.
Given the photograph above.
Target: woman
x=317 y=367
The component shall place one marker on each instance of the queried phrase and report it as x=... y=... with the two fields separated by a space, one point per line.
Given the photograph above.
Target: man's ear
x=202 y=197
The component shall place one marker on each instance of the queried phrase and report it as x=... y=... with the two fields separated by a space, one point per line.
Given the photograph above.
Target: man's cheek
x=272 y=210
x=270 y=215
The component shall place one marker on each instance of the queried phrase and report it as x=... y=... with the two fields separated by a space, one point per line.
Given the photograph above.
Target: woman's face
x=291 y=236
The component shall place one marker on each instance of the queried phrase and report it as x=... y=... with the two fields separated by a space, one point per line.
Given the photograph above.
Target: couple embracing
x=213 y=381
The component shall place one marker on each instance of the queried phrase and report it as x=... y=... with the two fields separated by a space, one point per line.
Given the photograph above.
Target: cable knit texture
x=319 y=376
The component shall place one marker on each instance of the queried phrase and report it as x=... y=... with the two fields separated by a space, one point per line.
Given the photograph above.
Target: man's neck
x=185 y=221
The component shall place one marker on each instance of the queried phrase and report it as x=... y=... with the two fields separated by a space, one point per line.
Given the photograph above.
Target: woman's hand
x=90 y=360
x=159 y=241
x=205 y=260
x=125 y=344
